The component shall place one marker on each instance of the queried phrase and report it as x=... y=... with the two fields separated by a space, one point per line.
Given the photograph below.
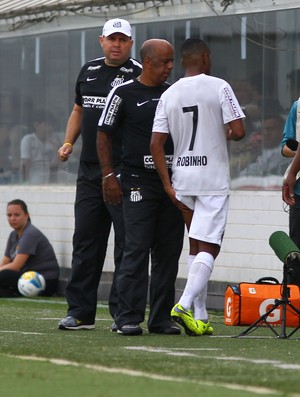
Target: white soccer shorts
x=209 y=218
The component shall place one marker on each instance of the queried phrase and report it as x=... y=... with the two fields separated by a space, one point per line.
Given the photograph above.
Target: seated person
x=27 y=249
x=267 y=161
x=244 y=152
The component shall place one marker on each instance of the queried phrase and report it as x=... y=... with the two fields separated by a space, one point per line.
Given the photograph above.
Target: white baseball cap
x=117 y=26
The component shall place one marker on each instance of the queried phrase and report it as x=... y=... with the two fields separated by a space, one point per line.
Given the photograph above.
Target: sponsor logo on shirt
x=234 y=110
x=191 y=161
x=159 y=105
x=149 y=163
x=95 y=102
x=138 y=104
x=141 y=103
x=94 y=67
x=125 y=70
x=112 y=110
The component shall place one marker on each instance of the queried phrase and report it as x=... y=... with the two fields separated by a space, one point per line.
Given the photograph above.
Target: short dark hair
x=193 y=45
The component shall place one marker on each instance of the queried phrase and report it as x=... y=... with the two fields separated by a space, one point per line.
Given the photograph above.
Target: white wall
x=245 y=254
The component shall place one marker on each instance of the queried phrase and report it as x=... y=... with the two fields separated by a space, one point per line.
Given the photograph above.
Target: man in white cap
x=93 y=217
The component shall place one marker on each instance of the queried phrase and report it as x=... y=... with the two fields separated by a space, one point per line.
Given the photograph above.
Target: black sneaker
x=114 y=327
x=130 y=330
x=172 y=329
x=70 y=323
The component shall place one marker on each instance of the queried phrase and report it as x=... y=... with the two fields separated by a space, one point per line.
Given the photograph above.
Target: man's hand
x=288 y=189
x=112 y=192
x=172 y=195
x=64 y=152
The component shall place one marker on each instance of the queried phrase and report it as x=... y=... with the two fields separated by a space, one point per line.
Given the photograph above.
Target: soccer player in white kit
x=201 y=113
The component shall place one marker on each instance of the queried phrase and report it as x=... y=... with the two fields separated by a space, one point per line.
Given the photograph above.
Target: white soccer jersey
x=194 y=111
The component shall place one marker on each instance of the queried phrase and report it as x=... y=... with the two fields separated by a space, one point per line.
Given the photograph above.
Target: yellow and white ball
x=31 y=284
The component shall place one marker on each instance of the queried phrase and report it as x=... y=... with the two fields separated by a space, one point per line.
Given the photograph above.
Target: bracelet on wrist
x=107 y=176
x=67 y=144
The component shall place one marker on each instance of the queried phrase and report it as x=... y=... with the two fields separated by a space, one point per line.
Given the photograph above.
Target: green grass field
x=37 y=359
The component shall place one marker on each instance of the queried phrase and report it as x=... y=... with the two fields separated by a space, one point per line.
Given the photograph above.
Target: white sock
x=191 y=259
x=200 y=312
x=199 y=274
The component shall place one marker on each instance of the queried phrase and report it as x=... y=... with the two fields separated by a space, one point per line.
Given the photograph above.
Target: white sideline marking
x=274 y=363
x=170 y=351
x=22 y=332
x=176 y=352
x=128 y=372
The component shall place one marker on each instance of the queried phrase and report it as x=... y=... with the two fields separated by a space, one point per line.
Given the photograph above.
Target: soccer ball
x=31 y=284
